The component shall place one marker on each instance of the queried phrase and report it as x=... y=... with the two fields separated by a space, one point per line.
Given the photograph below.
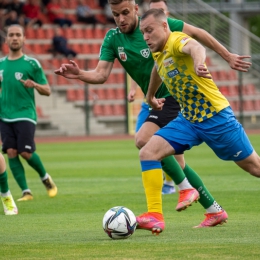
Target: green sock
x=3 y=182
x=36 y=163
x=18 y=172
x=173 y=169
x=206 y=199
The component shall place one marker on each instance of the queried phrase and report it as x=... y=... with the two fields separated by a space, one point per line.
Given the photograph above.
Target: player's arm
x=198 y=54
x=235 y=61
x=132 y=91
x=43 y=89
x=155 y=82
x=97 y=76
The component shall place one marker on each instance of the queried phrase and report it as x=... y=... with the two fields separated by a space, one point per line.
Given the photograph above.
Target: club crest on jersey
x=122 y=56
x=121 y=53
x=173 y=73
x=18 y=75
x=168 y=62
x=145 y=52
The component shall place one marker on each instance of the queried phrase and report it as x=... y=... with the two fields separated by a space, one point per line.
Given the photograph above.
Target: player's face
x=154 y=33
x=15 y=38
x=160 y=5
x=125 y=15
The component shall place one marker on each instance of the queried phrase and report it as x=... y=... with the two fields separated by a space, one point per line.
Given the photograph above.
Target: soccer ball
x=119 y=222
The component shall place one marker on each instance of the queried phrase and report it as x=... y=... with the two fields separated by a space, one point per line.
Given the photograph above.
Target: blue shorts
x=143 y=114
x=222 y=133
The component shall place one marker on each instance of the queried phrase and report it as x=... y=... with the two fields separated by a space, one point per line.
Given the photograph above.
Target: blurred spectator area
x=70 y=6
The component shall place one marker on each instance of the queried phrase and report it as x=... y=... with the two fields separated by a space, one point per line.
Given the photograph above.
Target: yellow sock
x=167 y=177
x=153 y=182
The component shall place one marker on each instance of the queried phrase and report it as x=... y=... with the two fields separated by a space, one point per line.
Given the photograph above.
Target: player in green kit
x=126 y=44
x=20 y=75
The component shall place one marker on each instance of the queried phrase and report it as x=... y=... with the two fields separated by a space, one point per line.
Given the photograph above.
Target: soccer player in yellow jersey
x=205 y=115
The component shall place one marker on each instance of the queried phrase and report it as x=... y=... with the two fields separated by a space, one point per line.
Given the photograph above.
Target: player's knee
x=147 y=154
x=26 y=155
x=11 y=153
x=144 y=154
x=139 y=142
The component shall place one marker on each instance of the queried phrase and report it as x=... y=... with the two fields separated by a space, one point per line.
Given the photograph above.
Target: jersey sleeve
x=39 y=75
x=107 y=51
x=175 y=25
x=180 y=40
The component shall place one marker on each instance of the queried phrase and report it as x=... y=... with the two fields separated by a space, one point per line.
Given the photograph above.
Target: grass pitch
x=95 y=176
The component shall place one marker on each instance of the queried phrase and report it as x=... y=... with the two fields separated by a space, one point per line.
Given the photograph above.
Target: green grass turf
x=95 y=176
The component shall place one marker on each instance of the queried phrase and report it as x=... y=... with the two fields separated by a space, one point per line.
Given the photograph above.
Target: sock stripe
x=150 y=165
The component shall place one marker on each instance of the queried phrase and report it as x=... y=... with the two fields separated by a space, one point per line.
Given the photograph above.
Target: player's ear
x=165 y=26
x=137 y=8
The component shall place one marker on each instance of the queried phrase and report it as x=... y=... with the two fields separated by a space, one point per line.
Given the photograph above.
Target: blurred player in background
x=6 y=196
x=20 y=76
x=126 y=44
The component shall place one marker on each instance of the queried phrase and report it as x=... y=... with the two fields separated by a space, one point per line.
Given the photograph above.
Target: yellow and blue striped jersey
x=198 y=97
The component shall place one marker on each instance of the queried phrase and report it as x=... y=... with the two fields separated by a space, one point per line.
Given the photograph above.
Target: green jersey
x=17 y=101
x=134 y=55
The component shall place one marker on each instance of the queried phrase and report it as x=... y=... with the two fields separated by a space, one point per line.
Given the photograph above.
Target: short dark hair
x=156 y=13
x=157 y=1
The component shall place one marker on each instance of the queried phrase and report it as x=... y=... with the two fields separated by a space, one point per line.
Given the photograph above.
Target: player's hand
x=131 y=95
x=69 y=70
x=237 y=62
x=202 y=71
x=156 y=103
x=28 y=83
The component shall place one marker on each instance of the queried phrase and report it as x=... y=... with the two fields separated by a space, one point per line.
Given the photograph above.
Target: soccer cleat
x=151 y=221
x=214 y=219
x=9 y=205
x=168 y=189
x=51 y=188
x=187 y=197
x=26 y=196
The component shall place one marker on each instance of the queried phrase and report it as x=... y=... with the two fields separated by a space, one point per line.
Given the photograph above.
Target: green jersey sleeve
x=175 y=25
x=107 y=52
x=38 y=74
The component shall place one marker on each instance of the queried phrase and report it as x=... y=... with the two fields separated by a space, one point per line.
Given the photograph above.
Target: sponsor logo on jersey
x=173 y=73
x=18 y=75
x=184 y=40
x=167 y=62
x=145 y=52
x=122 y=56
